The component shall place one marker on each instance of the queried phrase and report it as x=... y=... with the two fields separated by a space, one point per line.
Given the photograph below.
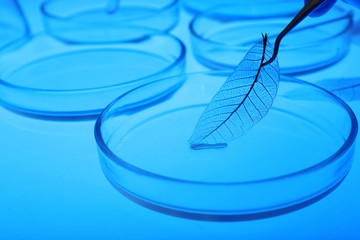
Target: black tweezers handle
x=310 y=6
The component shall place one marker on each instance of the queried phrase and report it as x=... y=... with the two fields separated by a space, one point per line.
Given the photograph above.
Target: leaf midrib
x=247 y=95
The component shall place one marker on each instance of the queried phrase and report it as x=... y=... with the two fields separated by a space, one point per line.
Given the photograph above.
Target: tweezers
x=310 y=6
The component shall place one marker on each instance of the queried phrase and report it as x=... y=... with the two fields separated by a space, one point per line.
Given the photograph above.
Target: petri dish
x=48 y=78
x=220 y=42
x=107 y=20
x=247 y=9
x=293 y=157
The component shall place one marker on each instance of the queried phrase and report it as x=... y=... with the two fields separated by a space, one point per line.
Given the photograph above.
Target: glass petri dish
x=247 y=9
x=293 y=157
x=220 y=42
x=107 y=20
x=48 y=78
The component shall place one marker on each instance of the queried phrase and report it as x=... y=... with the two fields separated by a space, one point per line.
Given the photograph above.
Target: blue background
x=52 y=187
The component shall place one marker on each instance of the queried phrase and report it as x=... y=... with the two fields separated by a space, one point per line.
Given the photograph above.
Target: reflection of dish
x=49 y=78
x=247 y=9
x=301 y=145
x=220 y=42
x=89 y=20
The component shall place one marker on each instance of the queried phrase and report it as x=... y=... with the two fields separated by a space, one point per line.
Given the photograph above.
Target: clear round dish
x=220 y=42
x=48 y=78
x=295 y=156
x=247 y=9
x=107 y=20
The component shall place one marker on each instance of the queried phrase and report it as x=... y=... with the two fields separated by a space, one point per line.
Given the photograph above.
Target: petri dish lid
x=95 y=21
x=296 y=155
x=220 y=42
x=48 y=78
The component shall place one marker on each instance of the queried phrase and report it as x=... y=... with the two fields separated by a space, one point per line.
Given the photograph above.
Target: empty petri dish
x=220 y=42
x=293 y=157
x=107 y=20
x=247 y=9
x=48 y=78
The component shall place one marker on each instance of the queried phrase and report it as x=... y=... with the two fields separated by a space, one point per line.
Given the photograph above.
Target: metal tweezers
x=310 y=6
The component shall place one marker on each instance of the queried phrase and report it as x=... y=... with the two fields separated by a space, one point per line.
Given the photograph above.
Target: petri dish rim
x=54 y=16
x=348 y=14
x=327 y=161
x=179 y=60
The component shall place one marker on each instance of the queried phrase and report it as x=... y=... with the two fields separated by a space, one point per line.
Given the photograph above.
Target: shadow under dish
x=47 y=78
x=90 y=21
x=220 y=41
x=296 y=155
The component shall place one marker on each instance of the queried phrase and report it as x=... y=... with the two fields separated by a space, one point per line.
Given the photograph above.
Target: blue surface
x=52 y=187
